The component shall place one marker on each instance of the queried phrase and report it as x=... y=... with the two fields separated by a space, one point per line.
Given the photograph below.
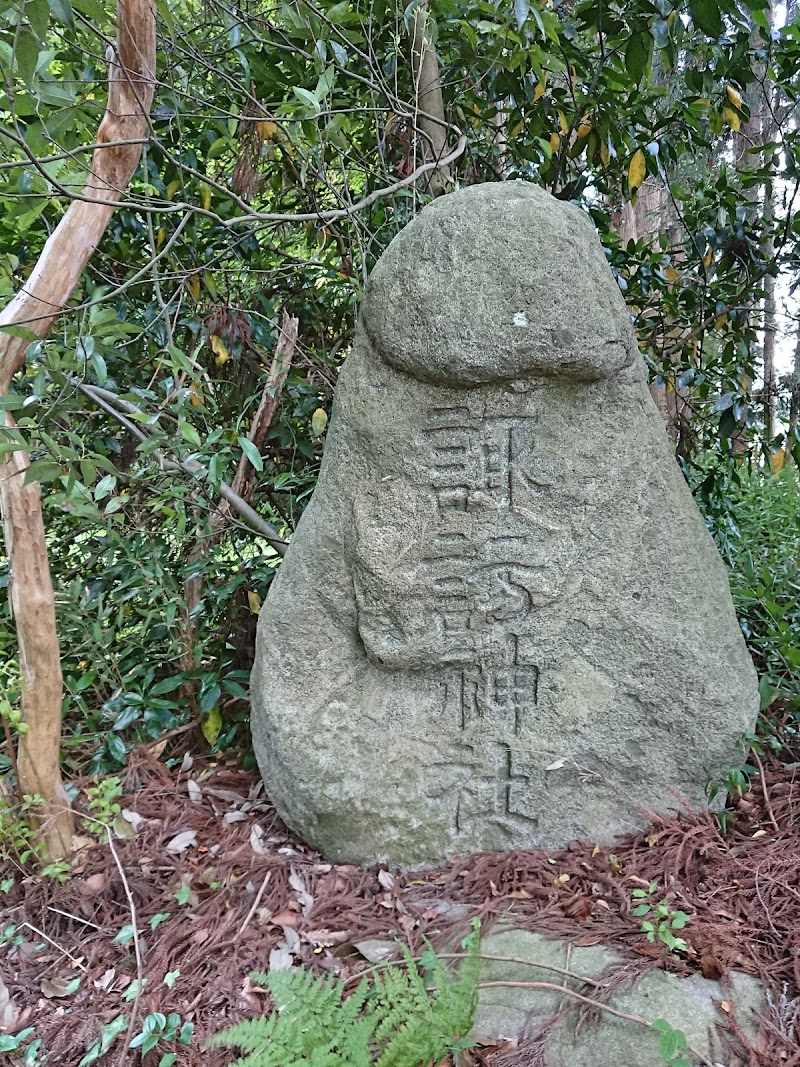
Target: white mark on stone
x=520 y=318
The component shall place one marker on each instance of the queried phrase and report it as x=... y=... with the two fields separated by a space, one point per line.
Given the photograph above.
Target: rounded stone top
x=496 y=282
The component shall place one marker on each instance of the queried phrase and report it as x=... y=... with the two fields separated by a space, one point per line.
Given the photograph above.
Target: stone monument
x=501 y=622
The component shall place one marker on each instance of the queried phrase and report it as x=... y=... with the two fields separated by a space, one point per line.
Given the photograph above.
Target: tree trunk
x=770 y=334
x=794 y=402
x=430 y=118
x=44 y=297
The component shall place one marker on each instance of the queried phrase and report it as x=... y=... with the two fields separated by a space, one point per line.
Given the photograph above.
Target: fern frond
x=408 y=1016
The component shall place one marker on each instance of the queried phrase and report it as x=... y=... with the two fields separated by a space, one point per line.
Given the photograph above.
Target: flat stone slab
x=691 y=1005
x=501 y=622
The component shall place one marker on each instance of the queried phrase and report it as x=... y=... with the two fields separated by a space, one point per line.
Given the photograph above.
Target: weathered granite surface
x=691 y=1005
x=501 y=622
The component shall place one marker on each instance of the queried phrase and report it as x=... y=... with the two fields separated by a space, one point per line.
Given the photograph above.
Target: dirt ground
x=217 y=887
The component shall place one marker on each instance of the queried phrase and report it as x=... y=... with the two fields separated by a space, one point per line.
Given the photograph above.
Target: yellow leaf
x=637 y=170
x=160 y=236
x=562 y=122
x=196 y=398
x=205 y=197
x=671 y=274
x=193 y=285
x=707 y=258
x=172 y=188
x=720 y=322
x=584 y=129
x=266 y=130
x=734 y=96
x=211 y=725
x=319 y=420
x=220 y=351
x=732 y=118
x=605 y=155
x=555 y=142
x=538 y=92
x=254 y=601
x=517 y=129
x=778 y=460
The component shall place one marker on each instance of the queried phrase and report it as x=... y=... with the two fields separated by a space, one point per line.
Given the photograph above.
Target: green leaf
x=637 y=53
x=209 y=698
x=319 y=420
x=325 y=83
x=99 y=367
x=62 y=11
x=211 y=726
x=305 y=97
x=182 y=894
x=766 y=693
x=93 y=9
x=37 y=13
x=26 y=53
x=133 y=989
x=522 y=9
x=705 y=15
x=10 y=1043
x=99 y=1048
x=19 y=331
x=116 y=748
x=166 y=685
x=189 y=434
x=105 y=487
x=252 y=453
x=125 y=935
x=42 y=471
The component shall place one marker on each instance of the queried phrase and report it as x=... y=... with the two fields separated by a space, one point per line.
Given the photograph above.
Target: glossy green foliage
x=265 y=122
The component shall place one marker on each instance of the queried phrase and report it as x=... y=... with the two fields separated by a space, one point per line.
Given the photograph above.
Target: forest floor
x=217 y=887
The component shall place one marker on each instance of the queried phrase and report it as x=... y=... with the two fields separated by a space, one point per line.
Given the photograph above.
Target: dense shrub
x=756 y=523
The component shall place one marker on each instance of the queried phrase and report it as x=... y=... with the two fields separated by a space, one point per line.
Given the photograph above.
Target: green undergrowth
x=403 y=1016
x=756 y=524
